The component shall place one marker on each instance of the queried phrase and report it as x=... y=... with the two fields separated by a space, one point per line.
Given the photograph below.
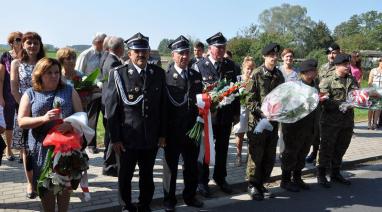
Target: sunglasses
x=17 y=40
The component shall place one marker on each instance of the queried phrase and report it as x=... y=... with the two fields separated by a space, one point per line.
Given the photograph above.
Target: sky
x=71 y=22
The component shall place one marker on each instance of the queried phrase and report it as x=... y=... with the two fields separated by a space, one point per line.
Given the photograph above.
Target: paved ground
x=366 y=145
x=360 y=196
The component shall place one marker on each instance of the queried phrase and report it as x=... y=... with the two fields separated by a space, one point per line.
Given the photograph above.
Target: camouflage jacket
x=337 y=88
x=325 y=70
x=262 y=83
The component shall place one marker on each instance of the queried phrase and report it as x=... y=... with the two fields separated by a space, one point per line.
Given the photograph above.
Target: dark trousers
x=2 y=147
x=221 y=135
x=93 y=109
x=335 y=141
x=189 y=153
x=262 y=155
x=127 y=162
x=297 y=145
x=109 y=154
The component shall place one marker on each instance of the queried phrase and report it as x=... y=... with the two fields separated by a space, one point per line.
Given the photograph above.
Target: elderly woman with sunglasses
x=6 y=99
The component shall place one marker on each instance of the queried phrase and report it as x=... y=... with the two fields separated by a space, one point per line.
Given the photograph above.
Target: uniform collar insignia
x=151 y=71
x=175 y=76
x=131 y=71
x=207 y=63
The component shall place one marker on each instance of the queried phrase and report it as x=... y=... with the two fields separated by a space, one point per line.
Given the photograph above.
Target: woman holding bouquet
x=36 y=112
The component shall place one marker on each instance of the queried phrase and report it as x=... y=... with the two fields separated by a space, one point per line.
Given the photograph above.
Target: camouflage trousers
x=262 y=154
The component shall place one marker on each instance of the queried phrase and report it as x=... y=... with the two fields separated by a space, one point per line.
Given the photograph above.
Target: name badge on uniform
x=131 y=96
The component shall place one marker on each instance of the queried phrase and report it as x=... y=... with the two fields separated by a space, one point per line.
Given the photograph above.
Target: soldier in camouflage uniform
x=337 y=121
x=262 y=145
x=325 y=70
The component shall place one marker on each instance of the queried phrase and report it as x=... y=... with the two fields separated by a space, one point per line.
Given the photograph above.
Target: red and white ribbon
x=207 y=147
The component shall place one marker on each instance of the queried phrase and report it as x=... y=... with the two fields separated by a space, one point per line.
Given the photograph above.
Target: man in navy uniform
x=215 y=68
x=136 y=110
x=182 y=86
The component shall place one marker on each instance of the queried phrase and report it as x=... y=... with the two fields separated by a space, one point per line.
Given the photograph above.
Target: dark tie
x=184 y=74
x=217 y=65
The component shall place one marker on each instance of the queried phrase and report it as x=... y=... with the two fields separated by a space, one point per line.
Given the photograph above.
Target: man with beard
x=328 y=68
x=337 y=121
x=136 y=112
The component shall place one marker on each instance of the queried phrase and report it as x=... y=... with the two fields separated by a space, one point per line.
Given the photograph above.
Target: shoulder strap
x=121 y=92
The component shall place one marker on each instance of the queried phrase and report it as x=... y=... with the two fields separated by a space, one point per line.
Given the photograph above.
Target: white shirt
x=88 y=60
x=180 y=71
x=212 y=60
x=139 y=69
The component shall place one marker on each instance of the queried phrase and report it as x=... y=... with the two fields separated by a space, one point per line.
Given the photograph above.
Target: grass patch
x=360 y=115
x=100 y=131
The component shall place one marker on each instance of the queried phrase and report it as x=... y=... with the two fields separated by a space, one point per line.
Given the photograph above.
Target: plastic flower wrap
x=366 y=98
x=64 y=162
x=290 y=102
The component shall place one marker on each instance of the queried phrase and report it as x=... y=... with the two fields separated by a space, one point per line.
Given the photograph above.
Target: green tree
x=318 y=37
x=163 y=46
x=286 y=19
x=362 y=31
x=240 y=47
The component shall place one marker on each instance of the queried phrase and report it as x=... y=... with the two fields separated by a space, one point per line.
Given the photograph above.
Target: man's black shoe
x=194 y=203
x=110 y=172
x=301 y=184
x=321 y=180
x=267 y=193
x=93 y=150
x=130 y=208
x=311 y=158
x=289 y=186
x=204 y=190
x=255 y=193
x=225 y=187
x=143 y=208
x=169 y=208
x=338 y=178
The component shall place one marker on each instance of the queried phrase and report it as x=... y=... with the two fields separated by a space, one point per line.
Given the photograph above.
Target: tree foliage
x=163 y=46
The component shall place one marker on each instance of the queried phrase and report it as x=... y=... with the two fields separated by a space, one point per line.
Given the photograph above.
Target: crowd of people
x=145 y=108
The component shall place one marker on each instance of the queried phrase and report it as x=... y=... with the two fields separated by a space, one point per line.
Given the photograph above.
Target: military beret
x=179 y=44
x=272 y=47
x=332 y=47
x=341 y=58
x=138 y=41
x=307 y=65
x=217 y=40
